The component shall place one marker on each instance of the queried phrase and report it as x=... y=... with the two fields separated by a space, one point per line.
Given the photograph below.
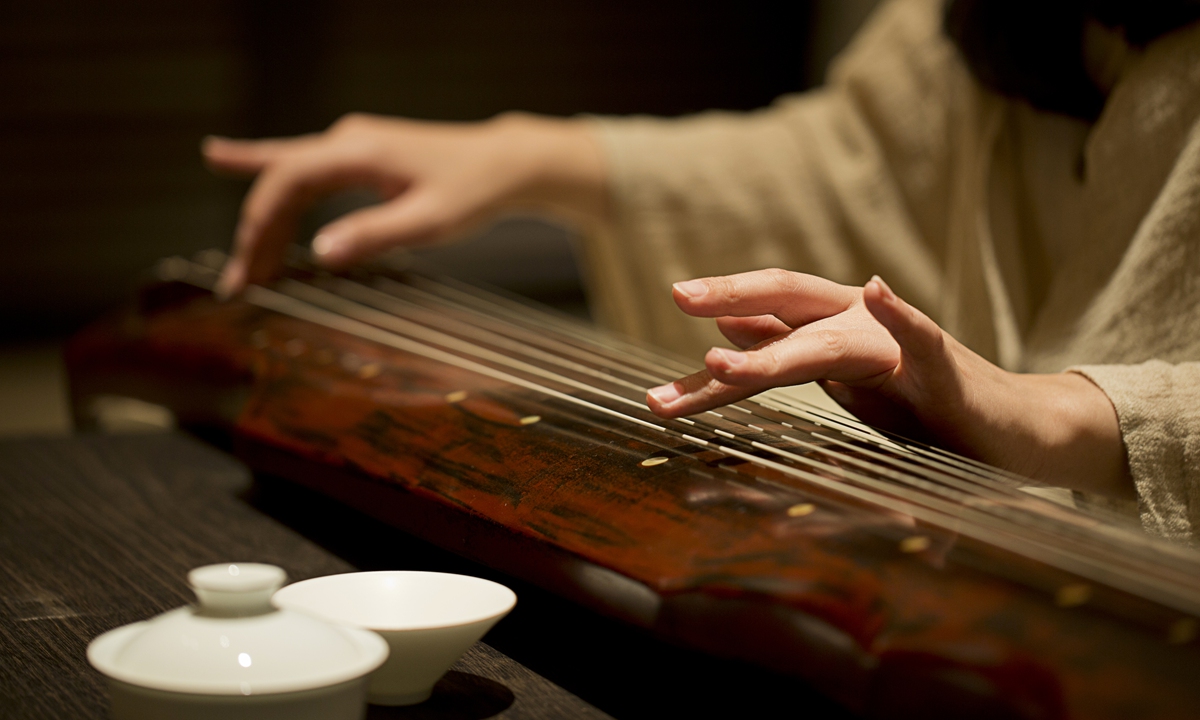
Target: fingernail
x=691 y=288
x=666 y=394
x=324 y=244
x=887 y=291
x=732 y=357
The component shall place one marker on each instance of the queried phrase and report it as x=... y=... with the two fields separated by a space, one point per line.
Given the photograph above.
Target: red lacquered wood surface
x=700 y=549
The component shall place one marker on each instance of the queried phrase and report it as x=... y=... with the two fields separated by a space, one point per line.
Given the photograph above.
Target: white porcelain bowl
x=428 y=619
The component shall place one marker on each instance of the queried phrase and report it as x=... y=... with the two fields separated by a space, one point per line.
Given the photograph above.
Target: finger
x=693 y=394
x=747 y=331
x=232 y=280
x=246 y=157
x=919 y=337
x=415 y=218
x=280 y=195
x=849 y=352
x=794 y=298
x=928 y=379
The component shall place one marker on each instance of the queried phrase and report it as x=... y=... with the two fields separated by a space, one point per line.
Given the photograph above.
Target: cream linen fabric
x=1040 y=242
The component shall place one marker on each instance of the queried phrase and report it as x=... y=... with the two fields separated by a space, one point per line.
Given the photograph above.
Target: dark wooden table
x=99 y=531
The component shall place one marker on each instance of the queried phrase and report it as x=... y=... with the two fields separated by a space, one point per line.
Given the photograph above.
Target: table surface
x=99 y=531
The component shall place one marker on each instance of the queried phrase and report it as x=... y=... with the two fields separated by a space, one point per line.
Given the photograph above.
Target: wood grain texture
x=699 y=550
x=99 y=531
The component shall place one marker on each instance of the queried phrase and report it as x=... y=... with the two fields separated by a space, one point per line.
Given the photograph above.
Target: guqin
x=898 y=578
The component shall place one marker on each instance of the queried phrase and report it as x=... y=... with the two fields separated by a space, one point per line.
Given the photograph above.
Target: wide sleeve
x=844 y=182
x=1158 y=407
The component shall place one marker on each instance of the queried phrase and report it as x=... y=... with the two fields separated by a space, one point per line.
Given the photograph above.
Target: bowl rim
x=494 y=614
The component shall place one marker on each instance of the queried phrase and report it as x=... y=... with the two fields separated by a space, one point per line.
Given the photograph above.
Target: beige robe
x=971 y=206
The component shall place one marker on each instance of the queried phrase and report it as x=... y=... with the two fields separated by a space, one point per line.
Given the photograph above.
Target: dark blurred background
x=104 y=105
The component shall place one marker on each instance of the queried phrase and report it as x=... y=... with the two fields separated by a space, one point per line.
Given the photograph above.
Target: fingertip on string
x=330 y=248
x=231 y=282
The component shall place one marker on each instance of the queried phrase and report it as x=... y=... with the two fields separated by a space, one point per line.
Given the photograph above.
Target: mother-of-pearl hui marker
x=914 y=544
x=801 y=510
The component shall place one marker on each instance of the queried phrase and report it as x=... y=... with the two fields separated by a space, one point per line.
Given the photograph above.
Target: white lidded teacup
x=236 y=656
x=428 y=619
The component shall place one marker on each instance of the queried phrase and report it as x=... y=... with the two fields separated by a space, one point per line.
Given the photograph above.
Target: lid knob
x=236 y=589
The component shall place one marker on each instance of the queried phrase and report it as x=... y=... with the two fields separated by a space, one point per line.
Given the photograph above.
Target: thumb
x=413 y=218
x=929 y=380
x=919 y=337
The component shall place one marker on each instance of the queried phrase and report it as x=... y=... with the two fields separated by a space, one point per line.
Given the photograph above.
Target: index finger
x=280 y=195
x=795 y=298
x=247 y=157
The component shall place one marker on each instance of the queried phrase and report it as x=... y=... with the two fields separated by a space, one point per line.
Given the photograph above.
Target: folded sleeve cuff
x=1158 y=407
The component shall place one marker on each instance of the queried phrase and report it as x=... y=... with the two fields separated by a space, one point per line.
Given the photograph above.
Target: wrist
x=1081 y=437
x=1060 y=429
x=558 y=164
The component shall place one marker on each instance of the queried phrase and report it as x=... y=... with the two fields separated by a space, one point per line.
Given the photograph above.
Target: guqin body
x=901 y=580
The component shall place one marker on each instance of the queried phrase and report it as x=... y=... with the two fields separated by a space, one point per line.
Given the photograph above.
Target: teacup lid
x=235 y=642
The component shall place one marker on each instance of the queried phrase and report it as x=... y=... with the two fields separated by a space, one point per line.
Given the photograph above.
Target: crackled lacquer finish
x=700 y=548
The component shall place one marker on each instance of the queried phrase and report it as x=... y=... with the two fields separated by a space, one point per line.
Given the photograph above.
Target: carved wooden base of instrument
x=893 y=618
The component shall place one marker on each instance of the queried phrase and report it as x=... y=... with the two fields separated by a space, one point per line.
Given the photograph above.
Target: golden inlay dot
x=530 y=419
x=456 y=396
x=914 y=544
x=1182 y=631
x=368 y=371
x=801 y=510
x=652 y=461
x=1073 y=595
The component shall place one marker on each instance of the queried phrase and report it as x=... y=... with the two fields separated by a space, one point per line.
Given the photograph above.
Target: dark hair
x=1034 y=50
